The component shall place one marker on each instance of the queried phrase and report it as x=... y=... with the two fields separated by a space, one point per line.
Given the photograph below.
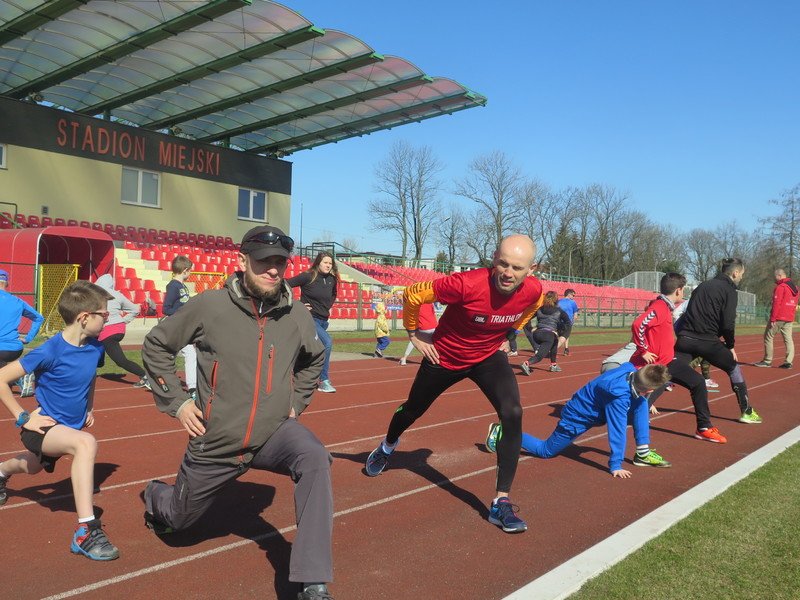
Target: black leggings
x=688 y=348
x=115 y=353
x=496 y=380
x=685 y=376
x=547 y=345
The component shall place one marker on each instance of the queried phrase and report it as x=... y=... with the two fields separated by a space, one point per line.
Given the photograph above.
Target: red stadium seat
x=21 y=220
x=47 y=222
x=72 y=223
x=33 y=221
x=97 y=226
x=59 y=223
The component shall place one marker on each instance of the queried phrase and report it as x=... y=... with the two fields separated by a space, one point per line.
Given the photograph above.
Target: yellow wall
x=90 y=190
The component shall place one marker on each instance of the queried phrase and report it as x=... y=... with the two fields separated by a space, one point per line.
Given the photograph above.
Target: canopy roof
x=251 y=74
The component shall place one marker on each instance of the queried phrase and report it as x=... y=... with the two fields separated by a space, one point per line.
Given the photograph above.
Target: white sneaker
x=27 y=386
x=513 y=353
x=526 y=368
x=326 y=386
x=710 y=383
x=403 y=362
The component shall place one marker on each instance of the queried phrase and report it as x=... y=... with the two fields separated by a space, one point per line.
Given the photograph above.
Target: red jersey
x=477 y=317
x=427 y=317
x=653 y=331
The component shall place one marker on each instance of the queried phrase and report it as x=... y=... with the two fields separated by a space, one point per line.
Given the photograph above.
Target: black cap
x=265 y=240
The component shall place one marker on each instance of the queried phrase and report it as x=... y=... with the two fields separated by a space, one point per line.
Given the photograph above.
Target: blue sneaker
x=502 y=513
x=326 y=386
x=377 y=461
x=495 y=433
x=91 y=541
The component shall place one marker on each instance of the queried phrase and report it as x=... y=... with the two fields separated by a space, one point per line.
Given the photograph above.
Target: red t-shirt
x=427 y=317
x=477 y=317
x=653 y=331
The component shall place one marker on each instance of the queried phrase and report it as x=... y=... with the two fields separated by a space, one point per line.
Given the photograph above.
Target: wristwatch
x=23 y=418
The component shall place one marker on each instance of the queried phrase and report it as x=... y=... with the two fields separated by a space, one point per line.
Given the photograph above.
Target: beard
x=267 y=296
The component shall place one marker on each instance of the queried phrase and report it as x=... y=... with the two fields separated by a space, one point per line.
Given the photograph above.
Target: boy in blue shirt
x=12 y=310
x=614 y=398
x=65 y=368
x=570 y=308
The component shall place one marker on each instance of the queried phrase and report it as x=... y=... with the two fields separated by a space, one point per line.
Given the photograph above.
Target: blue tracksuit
x=608 y=399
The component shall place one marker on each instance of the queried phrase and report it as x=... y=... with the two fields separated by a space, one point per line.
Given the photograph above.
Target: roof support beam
x=269 y=90
x=281 y=42
x=361 y=126
x=396 y=86
x=28 y=21
x=184 y=22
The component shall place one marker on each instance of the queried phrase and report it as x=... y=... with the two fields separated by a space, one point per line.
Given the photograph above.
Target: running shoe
x=786 y=365
x=514 y=353
x=3 y=491
x=315 y=593
x=26 y=389
x=90 y=540
x=503 y=514
x=554 y=368
x=326 y=386
x=526 y=368
x=750 y=416
x=403 y=362
x=651 y=459
x=669 y=387
x=711 y=434
x=710 y=383
x=566 y=351
x=495 y=432
x=377 y=461
x=378 y=353
x=761 y=363
x=144 y=382
x=155 y=525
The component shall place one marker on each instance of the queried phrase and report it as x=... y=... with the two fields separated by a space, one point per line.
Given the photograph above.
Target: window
x=252 y=205
x=141 y=187
x=2 y=156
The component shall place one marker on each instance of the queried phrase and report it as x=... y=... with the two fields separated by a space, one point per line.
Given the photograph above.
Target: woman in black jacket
x=549 y=320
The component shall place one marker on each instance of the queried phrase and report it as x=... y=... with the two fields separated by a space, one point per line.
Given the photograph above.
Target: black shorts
x=32 y=440
x=565 y=330
x=7 y=356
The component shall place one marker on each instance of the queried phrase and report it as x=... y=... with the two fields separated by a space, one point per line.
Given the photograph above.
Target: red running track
x=417 y=531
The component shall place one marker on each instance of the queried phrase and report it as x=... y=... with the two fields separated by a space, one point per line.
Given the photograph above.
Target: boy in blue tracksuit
x=615 y=398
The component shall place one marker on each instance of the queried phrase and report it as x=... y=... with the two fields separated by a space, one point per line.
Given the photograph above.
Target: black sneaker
x=90 y=540
x=786 y=365
x=761 y=363
x=3 y=492
x=155 y=525
x=566 y=351
x=317 y=592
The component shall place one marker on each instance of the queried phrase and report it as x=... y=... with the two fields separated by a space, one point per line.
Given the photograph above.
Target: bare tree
x=450 y=235
x=407 y=180
x=540 y=213
x=493 y=183
x=784 y=228
x=702 y=254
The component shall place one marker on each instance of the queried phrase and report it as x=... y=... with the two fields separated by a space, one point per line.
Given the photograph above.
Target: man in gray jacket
x=258 y=361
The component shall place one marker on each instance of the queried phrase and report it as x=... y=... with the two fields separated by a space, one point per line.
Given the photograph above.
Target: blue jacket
x=12 y=309
x=607 y=399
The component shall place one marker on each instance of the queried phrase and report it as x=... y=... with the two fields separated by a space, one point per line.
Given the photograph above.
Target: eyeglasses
x=103 y=313
x=271 y=238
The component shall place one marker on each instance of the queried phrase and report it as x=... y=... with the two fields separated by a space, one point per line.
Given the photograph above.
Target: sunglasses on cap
x=271 y=238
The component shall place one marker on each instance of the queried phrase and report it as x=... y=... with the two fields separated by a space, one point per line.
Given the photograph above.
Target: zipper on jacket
x=257 y=384
x=271 y=356
x=214 y=369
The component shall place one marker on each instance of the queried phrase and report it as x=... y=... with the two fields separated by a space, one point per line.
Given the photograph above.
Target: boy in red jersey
x=484 y=307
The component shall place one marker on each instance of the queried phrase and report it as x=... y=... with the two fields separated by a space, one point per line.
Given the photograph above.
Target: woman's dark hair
x=550 y=299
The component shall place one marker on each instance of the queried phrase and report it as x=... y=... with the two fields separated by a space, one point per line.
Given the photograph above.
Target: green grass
x=743 y=544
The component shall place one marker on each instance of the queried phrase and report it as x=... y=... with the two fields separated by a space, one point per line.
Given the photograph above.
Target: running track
x=416 y=531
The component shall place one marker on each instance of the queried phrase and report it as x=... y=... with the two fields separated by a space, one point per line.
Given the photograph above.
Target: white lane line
x=567 y=578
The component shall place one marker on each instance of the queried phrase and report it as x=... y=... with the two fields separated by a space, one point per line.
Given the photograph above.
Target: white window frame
x=140 y=173
x=3 y=154
x=252 y=199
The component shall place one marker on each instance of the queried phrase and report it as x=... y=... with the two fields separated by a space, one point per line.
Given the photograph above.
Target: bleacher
x=396 y=275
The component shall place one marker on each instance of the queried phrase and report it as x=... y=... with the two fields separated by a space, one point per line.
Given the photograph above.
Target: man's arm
x=528 y=313
x=36 y=322
x=308 y=365
x=728 y=326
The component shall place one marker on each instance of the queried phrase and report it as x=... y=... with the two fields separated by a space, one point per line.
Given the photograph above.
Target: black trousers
x=685 y=376
x=115 y=353
x=546 y=346
x=496 y=380
x=714 y=351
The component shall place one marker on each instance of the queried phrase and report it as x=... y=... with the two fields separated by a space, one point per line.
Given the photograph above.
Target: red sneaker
x=711 y=434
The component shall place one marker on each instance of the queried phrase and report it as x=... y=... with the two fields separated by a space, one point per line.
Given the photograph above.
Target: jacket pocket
x=214 y=373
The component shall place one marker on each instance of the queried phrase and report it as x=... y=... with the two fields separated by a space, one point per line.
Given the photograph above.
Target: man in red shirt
x=781 y=318
x=484 y=308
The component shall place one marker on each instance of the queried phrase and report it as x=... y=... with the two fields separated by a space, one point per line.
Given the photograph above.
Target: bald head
x=780 y=274
x=513 y=262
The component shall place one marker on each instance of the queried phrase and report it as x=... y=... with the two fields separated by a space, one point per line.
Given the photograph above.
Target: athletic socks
x=86 y=519
x=643 y=450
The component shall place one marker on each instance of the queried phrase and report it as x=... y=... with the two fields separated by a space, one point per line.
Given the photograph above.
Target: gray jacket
x=253 y=366
x=119 y=304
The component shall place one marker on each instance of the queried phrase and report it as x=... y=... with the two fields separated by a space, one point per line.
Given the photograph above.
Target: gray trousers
x=785 y=329
x=291 y=450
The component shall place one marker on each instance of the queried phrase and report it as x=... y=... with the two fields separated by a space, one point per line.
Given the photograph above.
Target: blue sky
x=691 y=107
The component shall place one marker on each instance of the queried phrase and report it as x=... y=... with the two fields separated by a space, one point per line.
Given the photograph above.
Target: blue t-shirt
x=569 y=306
x=64 y=374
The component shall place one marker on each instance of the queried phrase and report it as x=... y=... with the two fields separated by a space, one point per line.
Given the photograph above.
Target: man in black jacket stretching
x=711 y=315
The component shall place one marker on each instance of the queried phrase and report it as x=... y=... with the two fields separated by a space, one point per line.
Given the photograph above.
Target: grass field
x=743 y=544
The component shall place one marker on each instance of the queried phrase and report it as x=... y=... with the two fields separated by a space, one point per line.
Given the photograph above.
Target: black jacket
x=711 y=312
x=320 y=294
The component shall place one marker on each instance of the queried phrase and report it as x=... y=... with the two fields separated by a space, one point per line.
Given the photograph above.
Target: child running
x=65 y=368
x=614 y=398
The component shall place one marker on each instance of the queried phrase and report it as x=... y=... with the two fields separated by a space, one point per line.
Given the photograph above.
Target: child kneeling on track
x=614 y=398
x=65 y=368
